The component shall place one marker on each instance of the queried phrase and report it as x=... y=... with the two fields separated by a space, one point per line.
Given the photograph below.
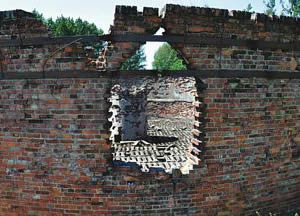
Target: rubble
x=163 y=148
x=128 y=108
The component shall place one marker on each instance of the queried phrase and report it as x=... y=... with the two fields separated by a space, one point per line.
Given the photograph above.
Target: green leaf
x=67 y=26
x=166 y=58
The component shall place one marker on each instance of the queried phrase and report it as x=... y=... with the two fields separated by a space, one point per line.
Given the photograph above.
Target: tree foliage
x=165 y=58
x=249 y=8
x=270 y=5
x=289 y=7
x=136 y=62
x=67 y=26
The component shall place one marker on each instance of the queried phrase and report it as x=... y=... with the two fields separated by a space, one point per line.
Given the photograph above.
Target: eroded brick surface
x=165 y=148
x=55 y=158
x=19 y=24
x=218 y=23
x=127 y=20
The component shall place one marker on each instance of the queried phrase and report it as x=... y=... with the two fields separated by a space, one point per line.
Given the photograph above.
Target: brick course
x=218 y=23
x=55 y=157
x=19 y=24
x=127 y=20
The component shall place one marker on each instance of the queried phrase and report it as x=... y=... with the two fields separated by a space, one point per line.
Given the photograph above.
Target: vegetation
x=271 y=4
x=165 y=58
x=289 y=7
x=136 y=62
x=67 y=26
x=249 y=8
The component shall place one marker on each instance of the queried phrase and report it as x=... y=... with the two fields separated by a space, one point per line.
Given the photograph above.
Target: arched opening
x=153 y=118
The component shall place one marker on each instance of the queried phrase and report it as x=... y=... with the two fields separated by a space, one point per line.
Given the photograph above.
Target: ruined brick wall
x=127 y=20
x=252 y=144
x=55 y=157
x=220 y=24
x=21 y=25
x=171 y=97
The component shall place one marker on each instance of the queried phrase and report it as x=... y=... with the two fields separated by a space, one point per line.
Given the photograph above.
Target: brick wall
x=252 y=152
x=19 y=24
x=171 y=97
x=218 y=23
x=55 y=158
x=53 y=144
x=127 y=20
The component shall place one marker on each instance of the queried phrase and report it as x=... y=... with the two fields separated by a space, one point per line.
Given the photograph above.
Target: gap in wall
x=152 y=118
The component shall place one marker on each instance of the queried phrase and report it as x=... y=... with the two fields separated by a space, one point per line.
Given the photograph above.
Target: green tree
x=67 y=26
x=289 y=7
x=165 y=58
x=270 y=4
x=39 y=15
x=136 y=62
x=249 y=8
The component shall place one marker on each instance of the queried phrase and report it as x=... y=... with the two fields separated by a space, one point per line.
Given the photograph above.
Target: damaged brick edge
x=127 y=20
x=174 y=9
x=198 y=141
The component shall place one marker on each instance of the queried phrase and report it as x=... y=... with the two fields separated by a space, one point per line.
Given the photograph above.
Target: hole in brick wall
x=161 y=56
x=152 y=120
x=137 y=61
x=170 y=115
x=155 y=55
x=152 y=123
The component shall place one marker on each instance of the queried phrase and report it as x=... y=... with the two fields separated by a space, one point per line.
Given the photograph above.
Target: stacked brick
x=20 y=25
x=250 y=148
x=55 y=157
x=45 y=58
x=198 y=140
x=224 y=24
x=127 y=20
x=53 y=145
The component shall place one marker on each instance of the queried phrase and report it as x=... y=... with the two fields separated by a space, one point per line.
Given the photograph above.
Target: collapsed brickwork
x=171 y=97
x=129 y=113
x=138 y=139
x=55 y=153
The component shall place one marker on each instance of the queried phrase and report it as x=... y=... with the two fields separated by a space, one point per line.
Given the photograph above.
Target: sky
x=101 y=12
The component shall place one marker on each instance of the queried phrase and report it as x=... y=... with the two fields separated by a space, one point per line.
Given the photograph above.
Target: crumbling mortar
x=201 y=86
x=2 y=58
x=115 y=183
